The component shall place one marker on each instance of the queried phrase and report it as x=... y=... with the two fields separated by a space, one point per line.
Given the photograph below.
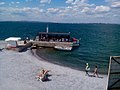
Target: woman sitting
x=42 y=75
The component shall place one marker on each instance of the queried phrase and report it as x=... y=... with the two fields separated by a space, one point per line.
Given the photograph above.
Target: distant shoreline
x=60 y=22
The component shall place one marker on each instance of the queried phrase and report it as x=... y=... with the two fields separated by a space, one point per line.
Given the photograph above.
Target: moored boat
x=63 y=48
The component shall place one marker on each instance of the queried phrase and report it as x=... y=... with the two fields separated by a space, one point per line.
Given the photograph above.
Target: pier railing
x=114 y=73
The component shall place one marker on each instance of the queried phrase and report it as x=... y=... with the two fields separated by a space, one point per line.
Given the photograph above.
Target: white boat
x=64 y=48
x=12 y=42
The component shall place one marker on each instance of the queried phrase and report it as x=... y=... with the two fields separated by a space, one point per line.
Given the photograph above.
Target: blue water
x=98 y=42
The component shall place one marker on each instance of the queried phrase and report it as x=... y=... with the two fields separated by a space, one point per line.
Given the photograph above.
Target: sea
x=97 y=42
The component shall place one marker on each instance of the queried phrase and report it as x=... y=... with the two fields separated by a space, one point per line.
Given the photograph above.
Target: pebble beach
x=18 y=71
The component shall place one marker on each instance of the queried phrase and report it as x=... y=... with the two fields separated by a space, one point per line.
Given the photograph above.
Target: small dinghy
x=64 y=48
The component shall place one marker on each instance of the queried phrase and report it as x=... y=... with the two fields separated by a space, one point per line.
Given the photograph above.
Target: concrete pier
x=34 y=44
x=51 y=44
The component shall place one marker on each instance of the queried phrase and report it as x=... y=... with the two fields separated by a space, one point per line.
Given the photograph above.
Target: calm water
x=98 y=42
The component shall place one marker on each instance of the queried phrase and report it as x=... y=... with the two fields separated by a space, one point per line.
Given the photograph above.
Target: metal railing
x=114 y=73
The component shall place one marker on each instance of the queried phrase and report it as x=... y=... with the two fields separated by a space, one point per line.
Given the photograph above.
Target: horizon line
x=60 y=22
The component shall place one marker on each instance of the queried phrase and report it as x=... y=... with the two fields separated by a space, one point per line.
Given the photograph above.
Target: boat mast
x=47 y=29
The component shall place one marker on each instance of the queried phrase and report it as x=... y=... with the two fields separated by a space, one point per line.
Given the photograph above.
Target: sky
x=61 y=11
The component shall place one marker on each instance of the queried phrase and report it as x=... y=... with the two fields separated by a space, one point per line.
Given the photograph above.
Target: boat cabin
x=52 y=36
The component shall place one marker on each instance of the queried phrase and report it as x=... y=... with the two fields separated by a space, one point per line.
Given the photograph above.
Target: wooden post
x=108 y=72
